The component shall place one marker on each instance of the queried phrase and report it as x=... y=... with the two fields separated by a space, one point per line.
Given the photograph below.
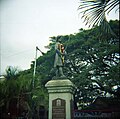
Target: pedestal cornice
x=60 y=85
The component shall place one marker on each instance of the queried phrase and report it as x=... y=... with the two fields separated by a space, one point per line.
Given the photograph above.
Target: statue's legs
x=60 y=70
x=57 y=72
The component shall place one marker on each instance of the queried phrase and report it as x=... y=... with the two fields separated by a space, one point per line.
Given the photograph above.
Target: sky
x=25 y=24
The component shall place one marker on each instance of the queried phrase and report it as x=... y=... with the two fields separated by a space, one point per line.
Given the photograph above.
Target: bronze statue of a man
x=59 y=57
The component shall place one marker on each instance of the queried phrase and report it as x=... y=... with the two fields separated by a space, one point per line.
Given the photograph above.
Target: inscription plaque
x=58 y=109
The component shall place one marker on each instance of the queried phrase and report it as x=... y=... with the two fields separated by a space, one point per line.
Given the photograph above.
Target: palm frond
x=111 y=5
x=93 y=11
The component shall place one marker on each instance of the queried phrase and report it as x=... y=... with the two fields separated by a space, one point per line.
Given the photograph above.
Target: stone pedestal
x=60 y=98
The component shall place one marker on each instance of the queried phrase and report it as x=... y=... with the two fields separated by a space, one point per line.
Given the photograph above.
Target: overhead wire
x=18 y=53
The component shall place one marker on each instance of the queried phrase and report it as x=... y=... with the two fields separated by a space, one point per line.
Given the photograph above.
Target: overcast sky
x=25 y=24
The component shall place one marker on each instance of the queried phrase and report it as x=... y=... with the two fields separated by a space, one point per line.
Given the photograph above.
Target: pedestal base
x=60 y=98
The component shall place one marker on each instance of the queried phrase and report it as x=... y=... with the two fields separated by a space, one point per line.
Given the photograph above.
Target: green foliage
x=18 y=86
x=91 y=63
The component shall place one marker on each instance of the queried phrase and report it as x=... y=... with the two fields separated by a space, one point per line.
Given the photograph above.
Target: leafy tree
x=90 y=63
x=35 y=96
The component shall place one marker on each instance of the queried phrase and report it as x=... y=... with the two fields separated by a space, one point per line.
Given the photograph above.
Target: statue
x=59 y=57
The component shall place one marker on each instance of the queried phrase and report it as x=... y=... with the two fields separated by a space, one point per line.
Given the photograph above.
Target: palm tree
x=94 y=12
x=11 y=72
x=14 y=88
